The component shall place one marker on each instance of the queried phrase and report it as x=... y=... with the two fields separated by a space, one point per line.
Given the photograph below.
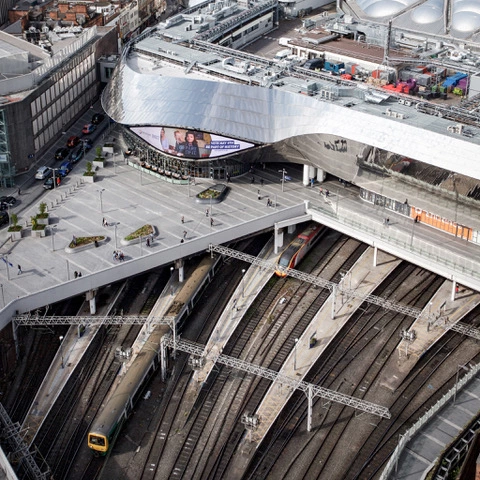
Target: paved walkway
x=422 y=451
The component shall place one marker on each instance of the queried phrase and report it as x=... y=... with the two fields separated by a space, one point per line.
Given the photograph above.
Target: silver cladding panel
x=269 y=115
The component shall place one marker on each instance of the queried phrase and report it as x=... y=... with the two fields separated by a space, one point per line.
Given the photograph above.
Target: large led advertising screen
x=190 y=143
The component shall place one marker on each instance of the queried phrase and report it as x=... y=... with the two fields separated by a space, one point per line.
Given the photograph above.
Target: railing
x=405 y=438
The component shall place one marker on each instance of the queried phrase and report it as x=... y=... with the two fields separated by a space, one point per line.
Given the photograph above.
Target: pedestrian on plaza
x=258 y=195
x=211 y=221
x=206 y=212
x=148 y=241
x=79 y=274
x=182 y=240
x=269 y=203
x=183 y=219
x=252 y=181
x=75 y=274
x=19 y=269
x=185 y=234
x=320 y=191
x=104 y=222
x=74 y=240
x=19 y=191
x=327 y=193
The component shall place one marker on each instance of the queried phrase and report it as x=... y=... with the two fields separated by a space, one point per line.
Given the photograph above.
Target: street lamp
x=115 y=226
x=61 y=348
x=464 y=367
x=283 y=172
x=243 y=282
x=295 y=354
x=52 y=232
x=101 y=199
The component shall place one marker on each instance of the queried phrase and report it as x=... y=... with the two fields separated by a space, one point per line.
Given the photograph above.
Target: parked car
x=9 y=201
x=43 y=173
x=97 y=118
x=73 y=141
x=50 y=182
x=4 y=219
x=89 y=128
x=87 y=143
x=61 y=153
x=314 y=63
x=65 y=168
x=76 y=154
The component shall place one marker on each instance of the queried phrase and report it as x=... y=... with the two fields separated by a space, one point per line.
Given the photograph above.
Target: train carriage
x=298 y=248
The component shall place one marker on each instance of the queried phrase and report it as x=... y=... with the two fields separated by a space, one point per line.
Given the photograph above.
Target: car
x=9 y=201
x=97 y=118
x=87 y=143
x=73 y=141
x=89 y=128
x=43 y=173
x=4 y=219
x=49 y=183
x=77 y=154
x=61 y=153
x=65 y=168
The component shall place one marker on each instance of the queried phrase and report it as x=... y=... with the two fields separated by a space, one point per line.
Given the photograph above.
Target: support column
x=321 y=175
x=375 y=252
x=454 y=289
x=181 y=272
x=306 y=175
x=278 y=238
x=15 y=338
x=90 y=297
x=174 y=330
x=310 y=403
x=291 y=228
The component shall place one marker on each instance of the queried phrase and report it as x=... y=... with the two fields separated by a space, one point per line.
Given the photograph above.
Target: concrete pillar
x=181 y=273
x=454 y=289
x=90 y=297
x=291 y=228
x=310 y=406
x=306 y=175
x=375 y=251
x=278 y=238
x=321 y=175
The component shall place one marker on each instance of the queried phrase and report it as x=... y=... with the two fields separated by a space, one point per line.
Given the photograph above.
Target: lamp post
x=101 y=199
x=61 y=348
x=243 y=282
x=295 y=354
x=172 y=269
x=464 y=367
x=52 y=232
x=283 y=172
x=5 y=259
x=115 y=227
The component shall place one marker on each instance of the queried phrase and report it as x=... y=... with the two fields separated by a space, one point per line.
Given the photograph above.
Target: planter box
x=42 y=221
x=16 y=235
x=38 y=233
x=98 y=164
x=89 y=178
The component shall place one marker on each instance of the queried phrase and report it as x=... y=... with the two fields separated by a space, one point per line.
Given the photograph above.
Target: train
x=107 y=424
x=298 y=248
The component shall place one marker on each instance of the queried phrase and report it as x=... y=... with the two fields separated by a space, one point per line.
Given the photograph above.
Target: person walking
x=183 y=219
x=75 y=274
x=258 y=195
x=185 y=234
x=206 y=212
x=19 y=269
x=211 y=221
x=148 y=241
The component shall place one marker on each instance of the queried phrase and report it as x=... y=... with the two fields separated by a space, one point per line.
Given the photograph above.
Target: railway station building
x=192 y=106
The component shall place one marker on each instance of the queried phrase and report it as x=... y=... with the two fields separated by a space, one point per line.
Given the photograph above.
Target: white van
x=282 y=54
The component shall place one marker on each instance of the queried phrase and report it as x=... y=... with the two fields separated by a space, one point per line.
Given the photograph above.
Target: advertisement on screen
x=190 y=143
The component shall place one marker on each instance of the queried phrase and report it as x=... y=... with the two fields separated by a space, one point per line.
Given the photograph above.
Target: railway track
x=248 y=343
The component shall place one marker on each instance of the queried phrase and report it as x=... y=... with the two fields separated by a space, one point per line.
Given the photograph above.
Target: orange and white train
x=298 y=248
